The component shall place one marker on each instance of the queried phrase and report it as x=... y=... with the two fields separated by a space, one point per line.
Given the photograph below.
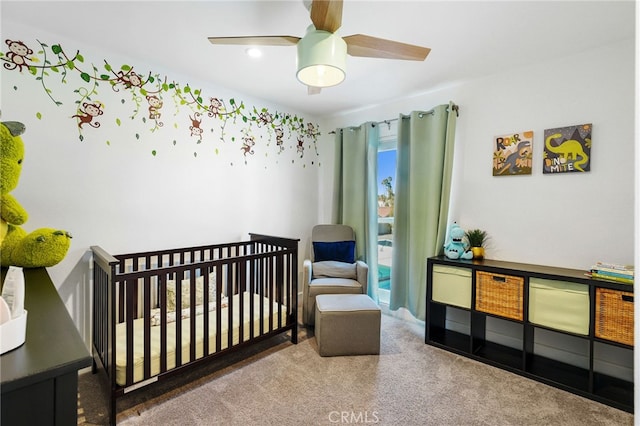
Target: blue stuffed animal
x=454 y=247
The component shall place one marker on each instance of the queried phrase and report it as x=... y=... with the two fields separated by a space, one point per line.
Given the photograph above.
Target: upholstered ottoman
x=347 y=324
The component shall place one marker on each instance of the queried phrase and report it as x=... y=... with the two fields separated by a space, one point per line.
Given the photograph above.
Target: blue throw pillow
x=341 y=251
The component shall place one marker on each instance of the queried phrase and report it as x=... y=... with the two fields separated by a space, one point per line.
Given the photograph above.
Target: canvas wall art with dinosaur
x=567 y=149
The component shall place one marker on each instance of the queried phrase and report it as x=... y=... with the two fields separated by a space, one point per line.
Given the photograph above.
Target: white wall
x=569 y=220
x=109 y=189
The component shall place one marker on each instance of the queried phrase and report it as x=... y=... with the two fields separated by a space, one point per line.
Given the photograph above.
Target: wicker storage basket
x=614 y=315
x=500 y=295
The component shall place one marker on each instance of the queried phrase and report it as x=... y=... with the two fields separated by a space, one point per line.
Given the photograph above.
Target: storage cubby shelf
x=563 y=300
x=500 y=355
x=452 y=340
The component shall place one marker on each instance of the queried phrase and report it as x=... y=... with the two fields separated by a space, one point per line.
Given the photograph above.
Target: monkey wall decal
x=311 y=130
x=215 y=107
x=91 y=110
x=300 y=147
x=17 y=54
x=155 y=103
x=247 y=145
x=232 y=116
x=129 y=79
x=195 y=125
x=279 y=140
x=264 y=118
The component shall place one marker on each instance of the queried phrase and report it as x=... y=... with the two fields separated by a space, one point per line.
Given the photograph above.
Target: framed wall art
x=512 y=154
x=567 y=149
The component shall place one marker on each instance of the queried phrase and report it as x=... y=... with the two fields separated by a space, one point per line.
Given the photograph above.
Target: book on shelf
x=613 y=266
x=608 y=277
x=613 y=273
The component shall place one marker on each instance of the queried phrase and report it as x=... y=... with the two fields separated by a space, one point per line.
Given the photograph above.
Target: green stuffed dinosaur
x=41 y=248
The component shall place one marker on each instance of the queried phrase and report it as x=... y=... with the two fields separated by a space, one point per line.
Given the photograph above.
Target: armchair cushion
x=334 y=269
x=341 y=251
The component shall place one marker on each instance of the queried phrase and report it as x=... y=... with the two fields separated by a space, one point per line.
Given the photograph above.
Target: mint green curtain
x=424 y=164
x=355 y=200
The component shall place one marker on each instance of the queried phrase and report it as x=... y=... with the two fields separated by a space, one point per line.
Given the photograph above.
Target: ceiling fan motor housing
x=322 y=59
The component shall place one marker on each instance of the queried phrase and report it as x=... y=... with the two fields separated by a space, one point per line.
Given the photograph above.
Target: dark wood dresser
x=39 y=380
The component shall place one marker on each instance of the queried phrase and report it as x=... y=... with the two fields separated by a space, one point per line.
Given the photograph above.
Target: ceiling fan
x=322 y=52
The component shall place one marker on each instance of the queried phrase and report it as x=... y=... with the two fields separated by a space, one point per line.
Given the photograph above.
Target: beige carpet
x=410 y=383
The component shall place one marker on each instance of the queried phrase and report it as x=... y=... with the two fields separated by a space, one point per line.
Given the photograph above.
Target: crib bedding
x=138 y=327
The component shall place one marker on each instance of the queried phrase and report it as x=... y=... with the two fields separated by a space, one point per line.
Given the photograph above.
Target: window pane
x=386 y=198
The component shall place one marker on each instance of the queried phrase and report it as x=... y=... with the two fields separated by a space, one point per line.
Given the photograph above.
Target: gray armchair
x=332 y=268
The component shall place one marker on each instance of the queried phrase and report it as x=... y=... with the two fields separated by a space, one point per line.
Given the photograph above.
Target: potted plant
x=477 y=239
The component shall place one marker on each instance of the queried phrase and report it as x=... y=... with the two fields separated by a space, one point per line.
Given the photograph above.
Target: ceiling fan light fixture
x=322 y=59
x=253 y=52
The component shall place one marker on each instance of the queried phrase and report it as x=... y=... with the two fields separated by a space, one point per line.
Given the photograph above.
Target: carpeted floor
x=409 y=383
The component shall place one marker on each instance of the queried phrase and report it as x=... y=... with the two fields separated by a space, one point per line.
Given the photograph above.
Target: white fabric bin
x=452 y=285
x=560 y=305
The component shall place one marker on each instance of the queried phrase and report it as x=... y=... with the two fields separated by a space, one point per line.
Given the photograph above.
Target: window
x=386 y=197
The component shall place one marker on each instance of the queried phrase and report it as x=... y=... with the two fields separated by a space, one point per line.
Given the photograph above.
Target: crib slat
x=129 y=290
x=147 y=326
x=252 y=290
x=178 y=277
x=240 y=266
x=205 y=318
x=192 y=314
x=271 y=290
x=288 y=281
x=162 y=283
x=219 y=292
x=230 y=294
x=263 y=291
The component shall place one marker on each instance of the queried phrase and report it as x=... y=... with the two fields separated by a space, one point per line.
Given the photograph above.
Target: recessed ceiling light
x=253 y=52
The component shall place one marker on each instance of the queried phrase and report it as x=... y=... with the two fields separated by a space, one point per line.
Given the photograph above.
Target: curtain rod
x=421 y=114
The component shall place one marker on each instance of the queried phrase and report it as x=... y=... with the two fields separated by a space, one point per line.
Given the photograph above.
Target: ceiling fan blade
x=372 y=47
x=312 y=90
x=326 y=15
x=257 y=40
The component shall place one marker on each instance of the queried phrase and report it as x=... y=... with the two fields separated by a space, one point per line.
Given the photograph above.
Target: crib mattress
x=138 y=328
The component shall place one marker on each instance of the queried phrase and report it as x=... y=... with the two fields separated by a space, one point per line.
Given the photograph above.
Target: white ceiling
x=469 y=39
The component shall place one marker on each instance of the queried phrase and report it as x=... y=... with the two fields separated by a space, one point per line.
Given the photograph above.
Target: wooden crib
x=160 y=312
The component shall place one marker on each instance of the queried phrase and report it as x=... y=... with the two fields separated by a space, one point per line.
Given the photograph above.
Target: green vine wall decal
x=153 y=99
